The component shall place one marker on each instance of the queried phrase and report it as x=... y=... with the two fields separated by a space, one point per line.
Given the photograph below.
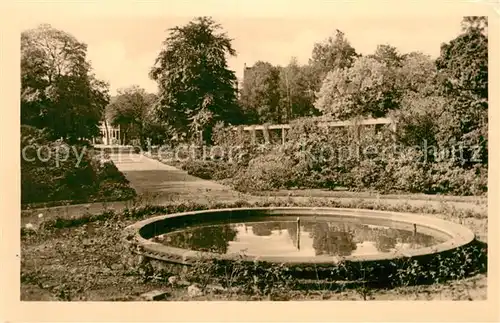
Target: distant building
x=109 y=135
x=242 y=80
x=246 y=69
x=239 y=87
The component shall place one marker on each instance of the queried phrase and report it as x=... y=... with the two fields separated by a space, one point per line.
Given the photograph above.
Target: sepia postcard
x=250 y=161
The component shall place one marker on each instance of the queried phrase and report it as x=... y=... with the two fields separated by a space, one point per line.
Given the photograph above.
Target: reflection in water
x=385 y=243
x=291 y=228
x=264 y=228
x=332 y=240
x=317 y=238
x=208 y=238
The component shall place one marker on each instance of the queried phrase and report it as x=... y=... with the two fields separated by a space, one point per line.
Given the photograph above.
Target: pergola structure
x=284 y=127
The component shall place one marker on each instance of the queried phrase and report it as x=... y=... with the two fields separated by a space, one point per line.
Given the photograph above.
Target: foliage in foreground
x=268 y=279
x=93 y=248
x=65 y=178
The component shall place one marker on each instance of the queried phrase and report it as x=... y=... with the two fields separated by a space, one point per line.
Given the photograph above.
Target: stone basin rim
x=459 y=235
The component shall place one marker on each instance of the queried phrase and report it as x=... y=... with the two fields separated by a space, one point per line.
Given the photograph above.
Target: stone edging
x=458 y=235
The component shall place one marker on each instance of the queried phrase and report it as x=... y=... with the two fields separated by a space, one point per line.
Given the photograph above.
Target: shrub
x=267 y=172
x=446 y=178
x=357 y=158
x=406 y=173
x=368 y=174
x=68 y=178
x=209 y=169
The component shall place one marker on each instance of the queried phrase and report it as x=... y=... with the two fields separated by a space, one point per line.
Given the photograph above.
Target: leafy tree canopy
x=297 y=90
x=260 y=95
x=368 y=88
x=388 y=55
x=59 y=92
x=192 y=73
x=463 y=72
x=132 y=109
x=334 y=53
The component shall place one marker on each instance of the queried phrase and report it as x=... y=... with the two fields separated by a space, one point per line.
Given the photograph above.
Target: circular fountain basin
x=322 y=236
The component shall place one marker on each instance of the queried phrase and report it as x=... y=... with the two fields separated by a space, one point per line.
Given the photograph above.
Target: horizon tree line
x=439 y=100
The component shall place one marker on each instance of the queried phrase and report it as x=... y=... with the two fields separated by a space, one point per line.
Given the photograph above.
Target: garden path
x=155 y=182
x=158 y=183
x=163 y=182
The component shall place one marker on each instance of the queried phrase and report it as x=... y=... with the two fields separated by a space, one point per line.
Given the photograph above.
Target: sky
x=122 y=49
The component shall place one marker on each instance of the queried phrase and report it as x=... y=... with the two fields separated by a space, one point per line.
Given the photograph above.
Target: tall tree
x=297 y=91
x=132 y=109
x=260 y=95
x=334 y=53
x=388 y=55
x=192 y=73
x=421 y=104
x=463 y=71
x=59 y=92
x=367 y=88
x=417 y=74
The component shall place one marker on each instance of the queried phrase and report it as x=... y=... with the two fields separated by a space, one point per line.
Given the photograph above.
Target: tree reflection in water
x=291 y=228
x=328 y=238
x=264 y=228
x=387 y=239
x=209 y=238
x=332 y=240
x=384 y=243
